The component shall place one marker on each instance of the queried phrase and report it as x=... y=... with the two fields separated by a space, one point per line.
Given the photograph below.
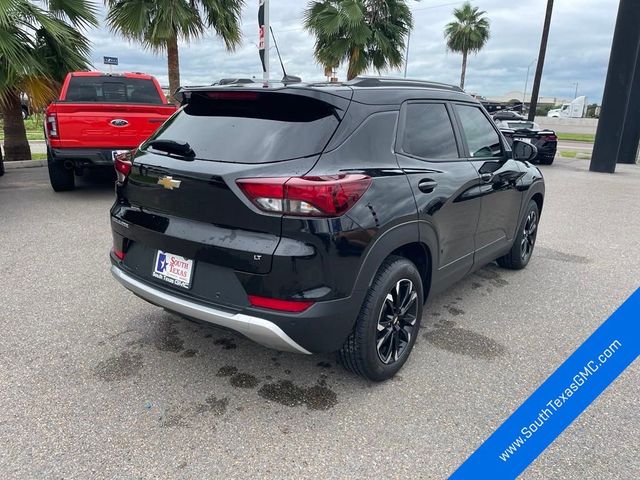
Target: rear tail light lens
x=550 y=138
x=293 y=306
x=52 y=125
x=122 y=163
x=118 y=253
x=318 y=196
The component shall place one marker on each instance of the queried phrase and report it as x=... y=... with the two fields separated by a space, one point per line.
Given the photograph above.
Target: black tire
x=364 y=351
x=525 y=241
x=61 y=178
x=1 y=164
x=546 y=160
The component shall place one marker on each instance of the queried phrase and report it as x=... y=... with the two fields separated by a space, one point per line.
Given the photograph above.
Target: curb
x=24 y=164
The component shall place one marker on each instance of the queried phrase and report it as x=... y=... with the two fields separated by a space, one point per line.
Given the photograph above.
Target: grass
x=34 y=127
x=577 y=137
x=574 y=154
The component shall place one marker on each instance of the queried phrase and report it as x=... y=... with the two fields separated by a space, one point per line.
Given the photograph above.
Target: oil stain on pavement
x=244 y=380
x=559 y=256
x=119 y=367
x=226 y=371
x=462 y=341
x=285 y=392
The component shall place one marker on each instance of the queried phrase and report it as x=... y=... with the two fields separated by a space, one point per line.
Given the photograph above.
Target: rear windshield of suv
x=109 y=89
x=252 y=127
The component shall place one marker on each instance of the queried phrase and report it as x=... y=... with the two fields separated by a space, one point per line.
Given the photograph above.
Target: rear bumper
x=547 y=150
x=84 y=157
x=257 y=329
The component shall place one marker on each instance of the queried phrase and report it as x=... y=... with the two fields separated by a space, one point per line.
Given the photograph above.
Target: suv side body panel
x=448 y=210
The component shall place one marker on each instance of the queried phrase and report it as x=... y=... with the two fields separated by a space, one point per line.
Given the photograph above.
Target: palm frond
x=362 y=33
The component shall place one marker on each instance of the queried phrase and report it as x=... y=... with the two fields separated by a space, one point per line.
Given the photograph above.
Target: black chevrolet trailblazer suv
x=320 y=217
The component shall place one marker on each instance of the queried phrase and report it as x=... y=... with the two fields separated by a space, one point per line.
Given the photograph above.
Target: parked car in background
x=516 y=127
x=97 y=116
x=320 y=217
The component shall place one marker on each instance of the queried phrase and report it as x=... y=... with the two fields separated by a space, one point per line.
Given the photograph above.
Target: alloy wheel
x=397 y=321
x=529 y=232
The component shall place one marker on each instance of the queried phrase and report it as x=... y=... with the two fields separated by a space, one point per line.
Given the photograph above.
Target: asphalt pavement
x=97 y=384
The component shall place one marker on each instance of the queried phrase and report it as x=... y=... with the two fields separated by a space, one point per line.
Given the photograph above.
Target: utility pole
x=543 y=49
x=406 y=55
x=526 y=82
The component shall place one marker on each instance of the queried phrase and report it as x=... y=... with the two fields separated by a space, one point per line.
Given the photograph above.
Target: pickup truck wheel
x=522 y=249
x=61 y=178
x=388 y=323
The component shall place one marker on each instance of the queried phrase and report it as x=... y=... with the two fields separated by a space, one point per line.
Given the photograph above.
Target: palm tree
x=363 y=33
x=159 y=24
x=468 y=33
x=39 y=43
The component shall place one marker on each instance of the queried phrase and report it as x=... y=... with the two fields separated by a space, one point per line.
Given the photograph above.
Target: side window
x=482 y=139
x=428 y=132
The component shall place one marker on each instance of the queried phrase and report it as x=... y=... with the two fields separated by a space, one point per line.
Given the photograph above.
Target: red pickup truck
x=97 y=116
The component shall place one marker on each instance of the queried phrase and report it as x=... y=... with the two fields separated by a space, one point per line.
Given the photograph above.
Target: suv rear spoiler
x=338 y=96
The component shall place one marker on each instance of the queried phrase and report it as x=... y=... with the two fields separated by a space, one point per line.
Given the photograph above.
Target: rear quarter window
x=252 y=127
x=428 y=132
x=113 y=90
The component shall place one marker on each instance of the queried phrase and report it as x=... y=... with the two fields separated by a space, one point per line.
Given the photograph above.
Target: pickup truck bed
x=97 y=116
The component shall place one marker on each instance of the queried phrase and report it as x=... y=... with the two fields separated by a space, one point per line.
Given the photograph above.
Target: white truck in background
x=575 y=109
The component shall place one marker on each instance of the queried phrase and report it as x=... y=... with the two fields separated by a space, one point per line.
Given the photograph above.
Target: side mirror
x=524 y=151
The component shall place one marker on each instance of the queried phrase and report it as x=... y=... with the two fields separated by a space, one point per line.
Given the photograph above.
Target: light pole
x=575 y=95
x=526 y=82
x=406 y=55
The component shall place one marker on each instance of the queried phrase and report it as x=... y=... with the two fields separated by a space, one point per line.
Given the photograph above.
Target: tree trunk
x=464 y=68
x=173 y=67
x=351 y=71
x=16 y=145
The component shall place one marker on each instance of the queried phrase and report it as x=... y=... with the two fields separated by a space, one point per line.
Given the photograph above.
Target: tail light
x=293 y=306
x=319 y=196
x=549 y=138
x=118 y=253
x=51 y=125
x=122 y=163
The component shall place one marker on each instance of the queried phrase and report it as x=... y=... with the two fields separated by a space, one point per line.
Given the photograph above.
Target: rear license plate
x=173 y=269
x=115 y=153
x=526 y=140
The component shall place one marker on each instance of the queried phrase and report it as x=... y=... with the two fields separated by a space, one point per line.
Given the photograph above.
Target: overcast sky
x=578 y=49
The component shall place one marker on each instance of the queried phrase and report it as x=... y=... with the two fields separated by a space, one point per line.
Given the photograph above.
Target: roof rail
x=367 y=81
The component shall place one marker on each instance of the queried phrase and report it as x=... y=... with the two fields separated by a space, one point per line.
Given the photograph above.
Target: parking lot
x=99 y=384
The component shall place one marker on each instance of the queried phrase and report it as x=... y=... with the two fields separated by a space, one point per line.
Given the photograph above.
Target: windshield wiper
x=175 y=147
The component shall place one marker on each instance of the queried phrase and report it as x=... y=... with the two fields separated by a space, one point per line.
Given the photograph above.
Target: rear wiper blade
x=173 y=146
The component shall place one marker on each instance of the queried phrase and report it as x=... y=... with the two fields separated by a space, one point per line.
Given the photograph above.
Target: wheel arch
x=539 y=199
x=403 y=240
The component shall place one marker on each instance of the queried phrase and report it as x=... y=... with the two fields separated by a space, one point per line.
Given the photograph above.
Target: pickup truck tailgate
x=103 y=125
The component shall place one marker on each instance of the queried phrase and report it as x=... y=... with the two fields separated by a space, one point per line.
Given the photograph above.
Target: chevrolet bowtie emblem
x=169 y=183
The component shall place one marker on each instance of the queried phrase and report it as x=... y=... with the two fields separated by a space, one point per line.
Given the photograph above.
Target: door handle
x=427 y=185
x=486 y=177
